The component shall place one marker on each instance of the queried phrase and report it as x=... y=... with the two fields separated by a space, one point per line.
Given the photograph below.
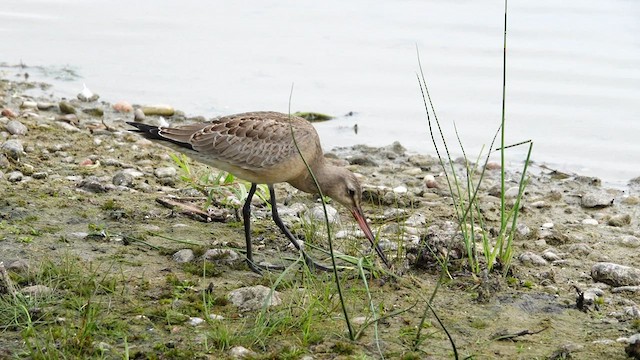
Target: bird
x=266 y=147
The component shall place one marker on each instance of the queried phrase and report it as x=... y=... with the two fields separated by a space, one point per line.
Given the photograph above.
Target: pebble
x=226 y=256
x=615 y=274
x=240 y=352
x=597 y=200
x=539 y=204
x=15 y=176
x=95 y=111
x=66 y=107
x=28 y=104
x=253 y=297
x=629 y=241
x=362 y=160
x=133 y=172
x=580 y=249
x=13 y=148
x=68 y=118
x=316 y=214
x=412 y=171
x=9 y=113
x=93 y=184
x=416 y=220
x=87 y=95
x=590 y=222
x=40 y=175
x=18 y=266
x=529 y=258
x=430 y=182
x=183 y=256
x=165 y=172
x=548 y=225
x=550 y=255
x=45 y=105
x=216 y=317
x=400 y=190
x=161 y=110
x=15 y=127
x=122 y=179
x=619 y=220
x=123 y=107
x=138 y=115
x=492 y=165
x=195 y=321
x=629 y=289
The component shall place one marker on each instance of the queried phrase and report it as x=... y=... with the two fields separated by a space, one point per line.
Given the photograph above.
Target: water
x=573 y=74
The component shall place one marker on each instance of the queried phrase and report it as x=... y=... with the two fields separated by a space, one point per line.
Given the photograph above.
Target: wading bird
x=259 y=147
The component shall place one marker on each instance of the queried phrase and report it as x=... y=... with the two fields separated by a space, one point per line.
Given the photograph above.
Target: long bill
x=362 y=222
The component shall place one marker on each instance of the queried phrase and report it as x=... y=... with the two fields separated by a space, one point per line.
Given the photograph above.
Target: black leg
x=276 y=218
x=246 y=217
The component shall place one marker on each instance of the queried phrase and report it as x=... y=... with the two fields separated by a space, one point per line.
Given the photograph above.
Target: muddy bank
x=79 y=189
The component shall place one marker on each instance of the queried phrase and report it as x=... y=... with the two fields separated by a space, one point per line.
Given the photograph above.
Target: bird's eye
x=351 y=192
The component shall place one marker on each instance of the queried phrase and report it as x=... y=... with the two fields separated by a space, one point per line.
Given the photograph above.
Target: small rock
x=15 y=127
x=165 y=172
x=9 y=113
x=45 y=105
x=422 y=161
x=550 y=255
x=316 y=214
x=539 y=204
x=226 y=256
x=161 y=110
x=400 y=190
x=122 y=179
x=590 y=222
x=87 y=95
x=18 y=266
x=92 y=184
x=253 y=297
x=195 y=321
x=492 y=165
x=28 y=104
x=94 y=111
x=597 y=200
x=15 y=176
x=619 y=220
x=430 y=182
x=548 y=225
x=13 y=148
x=239 y=352
x=138 y=115
x=629 y=241
x=132 y=172
x=362 y=160
x=615 y=274
x=123 y=107
x=40 y=175
x=529 y=258
x=580 y=249
x=416 y=220
x=183 y=256
x=68 y=118
x=216 y=317
x=66 y=107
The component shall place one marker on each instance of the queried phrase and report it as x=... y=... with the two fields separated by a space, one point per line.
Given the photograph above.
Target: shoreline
x=78 y=185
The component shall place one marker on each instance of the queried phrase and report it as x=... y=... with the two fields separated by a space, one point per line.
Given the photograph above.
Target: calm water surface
x=573 y=69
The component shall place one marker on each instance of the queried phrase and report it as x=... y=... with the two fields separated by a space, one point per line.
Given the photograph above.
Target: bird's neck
x=305 y=181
